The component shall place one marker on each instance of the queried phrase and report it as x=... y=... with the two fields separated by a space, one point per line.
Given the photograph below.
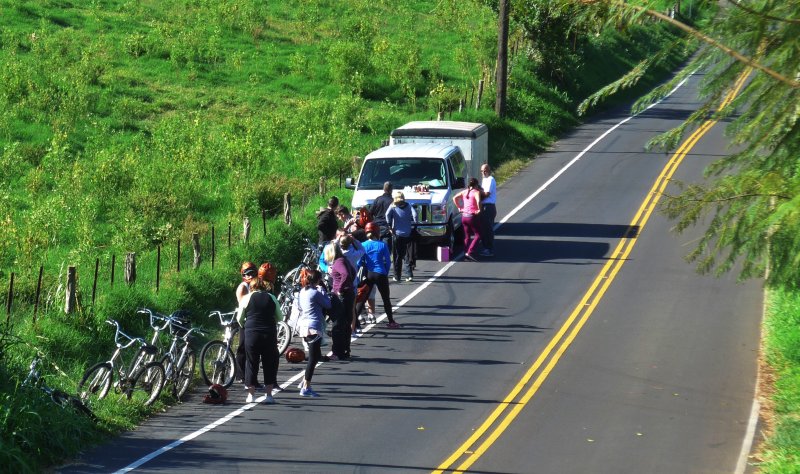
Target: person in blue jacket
x=401 y=218
x=377 y=261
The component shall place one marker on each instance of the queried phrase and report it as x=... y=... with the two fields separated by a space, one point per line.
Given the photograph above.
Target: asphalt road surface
x=586 y=345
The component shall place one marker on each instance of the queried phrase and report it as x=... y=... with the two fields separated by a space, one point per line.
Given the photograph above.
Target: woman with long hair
x=470 y=207
x=342 y=299
x=311 y=301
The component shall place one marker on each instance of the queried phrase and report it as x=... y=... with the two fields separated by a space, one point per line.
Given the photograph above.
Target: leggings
x=472 y=227
x=340 y=334
x=382 y=282
x=314 y=354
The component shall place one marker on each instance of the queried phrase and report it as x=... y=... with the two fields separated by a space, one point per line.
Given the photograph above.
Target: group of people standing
x=357 y=257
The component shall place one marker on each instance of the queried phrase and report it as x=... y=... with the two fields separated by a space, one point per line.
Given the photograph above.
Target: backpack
x=364 y=217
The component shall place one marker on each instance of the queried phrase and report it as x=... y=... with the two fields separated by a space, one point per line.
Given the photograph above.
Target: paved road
x=654 y=373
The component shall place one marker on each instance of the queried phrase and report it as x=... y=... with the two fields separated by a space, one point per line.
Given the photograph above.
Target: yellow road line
x=586 y=306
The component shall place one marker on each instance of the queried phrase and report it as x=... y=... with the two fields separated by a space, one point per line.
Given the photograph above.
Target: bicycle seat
x=150 y=349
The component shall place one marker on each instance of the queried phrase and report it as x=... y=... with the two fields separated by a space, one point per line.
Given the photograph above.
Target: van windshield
x=403 y=172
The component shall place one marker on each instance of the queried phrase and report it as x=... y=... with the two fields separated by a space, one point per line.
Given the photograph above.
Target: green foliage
x=781 y=452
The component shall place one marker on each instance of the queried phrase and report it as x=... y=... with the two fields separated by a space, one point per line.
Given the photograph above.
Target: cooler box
x=443 y=254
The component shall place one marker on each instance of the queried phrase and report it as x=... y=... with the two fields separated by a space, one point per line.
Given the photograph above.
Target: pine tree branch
x=705 y=38
x=729 y=198
x=763 y=15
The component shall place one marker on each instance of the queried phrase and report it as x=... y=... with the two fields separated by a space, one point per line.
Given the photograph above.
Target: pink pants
x=472 y=227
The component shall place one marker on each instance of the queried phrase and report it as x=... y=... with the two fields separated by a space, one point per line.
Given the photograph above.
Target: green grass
x=125 y=125
x=781 y=344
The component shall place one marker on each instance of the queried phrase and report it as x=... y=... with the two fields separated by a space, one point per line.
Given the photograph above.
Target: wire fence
x=202 y=248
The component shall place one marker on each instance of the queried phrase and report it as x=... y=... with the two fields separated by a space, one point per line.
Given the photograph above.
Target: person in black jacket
x=378 y=210
x=326 y=221
x=258 y=309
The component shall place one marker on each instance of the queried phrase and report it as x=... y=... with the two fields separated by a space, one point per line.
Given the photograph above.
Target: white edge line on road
x=405 y=300
x=755 y=411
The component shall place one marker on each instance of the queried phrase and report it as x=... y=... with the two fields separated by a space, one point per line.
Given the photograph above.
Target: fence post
x=38 y=293
x=94 y=284
x=130 y=268
x=10 y=299
x=461 y=103
x=179 y=255
x=69 y=304
x=158 y=267
x=213 y=247
x=113 y=265
x=246 y=229
x=287 y=208
x=229 y=234
x=264 y=220
x=196 y=248
x=322 y=187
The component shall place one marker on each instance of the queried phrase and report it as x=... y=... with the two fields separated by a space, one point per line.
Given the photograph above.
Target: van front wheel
x=450 y=236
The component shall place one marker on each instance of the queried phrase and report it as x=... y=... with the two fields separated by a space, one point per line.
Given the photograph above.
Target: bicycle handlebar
x=221 y=316
x=154 y=317
x=119 y=332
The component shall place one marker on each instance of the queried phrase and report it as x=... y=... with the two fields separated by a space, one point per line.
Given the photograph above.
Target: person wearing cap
x=400 y=218
x=249 y=273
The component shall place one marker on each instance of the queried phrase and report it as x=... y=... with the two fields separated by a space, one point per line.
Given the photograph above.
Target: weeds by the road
x=781 y=450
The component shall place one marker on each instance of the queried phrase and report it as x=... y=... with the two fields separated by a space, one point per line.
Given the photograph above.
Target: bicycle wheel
x=184 y=375
x=95 y=382
x=217 y=364
x=147 y=384
x=65 y=400
x=284 y=337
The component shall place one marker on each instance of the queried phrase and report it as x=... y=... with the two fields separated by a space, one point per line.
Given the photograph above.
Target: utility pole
x=502 y=59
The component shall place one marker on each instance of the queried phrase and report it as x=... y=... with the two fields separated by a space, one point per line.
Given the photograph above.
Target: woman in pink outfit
x=470 y=207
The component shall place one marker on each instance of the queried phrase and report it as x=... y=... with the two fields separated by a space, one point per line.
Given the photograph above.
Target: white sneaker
x=249 y=398
x=269 y=400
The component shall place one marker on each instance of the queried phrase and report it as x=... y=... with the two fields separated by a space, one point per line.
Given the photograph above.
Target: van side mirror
x=460 y=183
x=349 y=184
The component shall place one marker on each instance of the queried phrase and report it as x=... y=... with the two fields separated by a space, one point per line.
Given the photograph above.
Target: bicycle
x=217 y=360
x=62 y=399
x=179 y=360
x=311 y=253
x=141 y=381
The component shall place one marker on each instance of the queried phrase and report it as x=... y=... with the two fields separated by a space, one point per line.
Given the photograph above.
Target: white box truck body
x=430 y=161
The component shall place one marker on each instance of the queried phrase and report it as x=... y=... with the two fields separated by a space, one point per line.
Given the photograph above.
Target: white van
x=430 y=162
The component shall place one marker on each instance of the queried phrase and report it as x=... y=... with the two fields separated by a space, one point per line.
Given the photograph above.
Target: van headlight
x=438 y=213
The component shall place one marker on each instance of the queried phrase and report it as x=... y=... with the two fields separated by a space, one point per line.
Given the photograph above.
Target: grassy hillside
x=128 y=125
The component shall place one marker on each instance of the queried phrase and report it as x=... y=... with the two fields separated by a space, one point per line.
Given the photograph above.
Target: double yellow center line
x=511 y=406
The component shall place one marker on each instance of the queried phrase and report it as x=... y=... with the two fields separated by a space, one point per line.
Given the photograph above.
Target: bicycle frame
x=177 y=357
x=62 y=399
x=122 y=374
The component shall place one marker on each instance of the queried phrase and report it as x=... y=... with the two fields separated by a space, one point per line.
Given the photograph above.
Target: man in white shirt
x=488 y=209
